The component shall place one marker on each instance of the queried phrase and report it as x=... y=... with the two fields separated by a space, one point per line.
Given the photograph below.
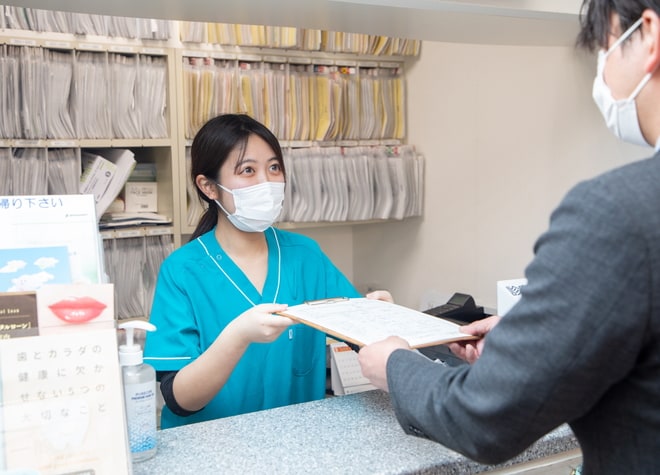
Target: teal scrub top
x=194 y=301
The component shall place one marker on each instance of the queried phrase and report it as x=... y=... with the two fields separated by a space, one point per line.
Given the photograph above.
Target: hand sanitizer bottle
x=140 y=394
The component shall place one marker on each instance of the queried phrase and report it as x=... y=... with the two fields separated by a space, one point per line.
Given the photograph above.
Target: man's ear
x=208 y=187
x=651 y=25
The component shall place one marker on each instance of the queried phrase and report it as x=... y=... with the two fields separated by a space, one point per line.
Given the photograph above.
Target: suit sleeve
x=575 y=333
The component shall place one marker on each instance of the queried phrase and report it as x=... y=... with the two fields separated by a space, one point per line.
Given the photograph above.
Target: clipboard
x=362 y=321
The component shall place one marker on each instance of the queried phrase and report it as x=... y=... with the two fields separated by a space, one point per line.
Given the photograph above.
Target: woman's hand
x=380 y=295
x=259 y=324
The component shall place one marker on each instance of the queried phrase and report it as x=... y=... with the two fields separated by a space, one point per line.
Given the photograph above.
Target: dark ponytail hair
x=211 y=148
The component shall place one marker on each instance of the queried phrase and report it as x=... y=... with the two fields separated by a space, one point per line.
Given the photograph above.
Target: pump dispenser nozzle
x=130 y=354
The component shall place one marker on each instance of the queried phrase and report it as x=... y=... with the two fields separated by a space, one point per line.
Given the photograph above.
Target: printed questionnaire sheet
x=363 y=321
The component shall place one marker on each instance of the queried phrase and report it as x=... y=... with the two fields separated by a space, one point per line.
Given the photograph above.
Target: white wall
x=337 y=243
x=506 y=131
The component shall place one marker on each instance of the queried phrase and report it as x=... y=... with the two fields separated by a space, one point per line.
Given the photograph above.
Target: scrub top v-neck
x=237 y=277
x=195 y=299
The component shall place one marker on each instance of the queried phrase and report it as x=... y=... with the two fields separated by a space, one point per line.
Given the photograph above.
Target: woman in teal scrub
x=219 y=349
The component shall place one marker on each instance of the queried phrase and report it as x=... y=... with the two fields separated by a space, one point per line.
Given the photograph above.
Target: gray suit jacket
x=581 y=346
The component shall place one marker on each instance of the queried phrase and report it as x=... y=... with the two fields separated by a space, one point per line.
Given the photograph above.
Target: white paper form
x=361 y=183
x=58 y=87
x=152 y=96
x=63 y=171
x=363 y=321
x=383 y=186
x=92 y=88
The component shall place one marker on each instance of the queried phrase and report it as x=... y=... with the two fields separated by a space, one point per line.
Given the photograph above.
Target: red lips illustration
x=77 y=309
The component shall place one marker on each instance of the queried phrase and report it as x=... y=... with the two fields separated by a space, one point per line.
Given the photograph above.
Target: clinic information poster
x=62 y=407
x=49 y=222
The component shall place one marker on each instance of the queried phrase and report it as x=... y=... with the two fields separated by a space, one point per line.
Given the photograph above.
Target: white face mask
x=256 y=207
x=620 y=116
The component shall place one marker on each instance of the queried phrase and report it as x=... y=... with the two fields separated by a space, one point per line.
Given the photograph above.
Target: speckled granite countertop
x=356 y=434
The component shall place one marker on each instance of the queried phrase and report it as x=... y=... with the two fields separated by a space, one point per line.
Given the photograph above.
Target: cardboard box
x=141 y=197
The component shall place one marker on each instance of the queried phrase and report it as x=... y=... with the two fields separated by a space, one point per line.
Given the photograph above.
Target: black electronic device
x=460 y=308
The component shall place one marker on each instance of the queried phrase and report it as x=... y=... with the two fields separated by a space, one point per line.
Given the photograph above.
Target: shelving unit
x=147 y=146
x=168 y=152
x=232 y=62
x=161 y=151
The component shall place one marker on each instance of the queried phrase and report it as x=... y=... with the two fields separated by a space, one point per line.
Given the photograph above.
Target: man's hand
x=373 y=359
x=471 y=350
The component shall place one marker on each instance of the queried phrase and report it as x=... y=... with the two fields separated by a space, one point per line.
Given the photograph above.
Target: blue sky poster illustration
x=27 y=269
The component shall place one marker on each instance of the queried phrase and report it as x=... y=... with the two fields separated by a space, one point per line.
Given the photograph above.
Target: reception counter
x=356 y=434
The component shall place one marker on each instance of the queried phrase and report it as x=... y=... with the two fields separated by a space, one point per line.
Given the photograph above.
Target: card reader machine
x=460 y=308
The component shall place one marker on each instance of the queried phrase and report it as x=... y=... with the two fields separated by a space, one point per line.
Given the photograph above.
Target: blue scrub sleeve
x=175 y=343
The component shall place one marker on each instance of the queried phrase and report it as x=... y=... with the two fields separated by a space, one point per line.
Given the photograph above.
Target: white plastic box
x=508 y=293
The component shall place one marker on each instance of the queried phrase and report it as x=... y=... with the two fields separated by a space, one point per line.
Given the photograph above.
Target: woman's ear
x=651 y=26
x=208 y=187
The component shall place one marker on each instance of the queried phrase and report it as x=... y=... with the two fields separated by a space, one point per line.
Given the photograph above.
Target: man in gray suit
x=582 y=346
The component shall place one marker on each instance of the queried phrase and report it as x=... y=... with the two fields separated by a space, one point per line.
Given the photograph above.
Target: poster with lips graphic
x=61 y=408
x=68 y=307
x=61 y=398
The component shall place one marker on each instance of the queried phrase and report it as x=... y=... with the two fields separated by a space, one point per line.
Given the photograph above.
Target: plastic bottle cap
x=130 y=355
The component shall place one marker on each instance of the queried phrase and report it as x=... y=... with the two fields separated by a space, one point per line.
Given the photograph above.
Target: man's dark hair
x=595 y=19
